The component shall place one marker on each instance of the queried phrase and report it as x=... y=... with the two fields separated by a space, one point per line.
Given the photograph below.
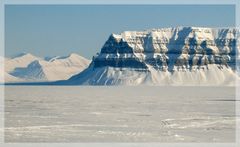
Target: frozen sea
x=119 y=114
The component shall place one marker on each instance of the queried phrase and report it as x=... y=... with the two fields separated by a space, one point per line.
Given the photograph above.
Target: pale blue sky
x=48 y=30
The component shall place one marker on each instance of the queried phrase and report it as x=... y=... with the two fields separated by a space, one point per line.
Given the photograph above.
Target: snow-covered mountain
x=167 y=56
x=60 y=68
x=29 y=68
x=20 y=61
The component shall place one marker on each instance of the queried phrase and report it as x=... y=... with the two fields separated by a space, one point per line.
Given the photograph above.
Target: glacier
x=166 y=56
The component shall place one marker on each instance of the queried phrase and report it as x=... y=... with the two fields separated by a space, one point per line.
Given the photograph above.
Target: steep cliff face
x=186 y=48
x=183 y=55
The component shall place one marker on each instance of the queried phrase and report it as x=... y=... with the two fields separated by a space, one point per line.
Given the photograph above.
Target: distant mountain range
x=29 y=68
x=165 y=56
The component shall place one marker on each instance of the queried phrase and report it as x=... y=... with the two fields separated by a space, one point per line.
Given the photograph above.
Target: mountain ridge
x=29 y=68
x=181 y=56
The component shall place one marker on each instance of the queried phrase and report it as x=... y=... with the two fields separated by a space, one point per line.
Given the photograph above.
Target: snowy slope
x=168 y=56
x=60 y=68
x=6 y=77
x=10 y=64
x=19 y=61
x=214 y=75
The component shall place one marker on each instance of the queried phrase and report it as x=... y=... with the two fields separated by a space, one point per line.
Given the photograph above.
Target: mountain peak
x=73 y=55
x=37 y=63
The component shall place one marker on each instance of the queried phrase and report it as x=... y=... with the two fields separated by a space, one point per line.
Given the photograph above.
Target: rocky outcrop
x=186 y=48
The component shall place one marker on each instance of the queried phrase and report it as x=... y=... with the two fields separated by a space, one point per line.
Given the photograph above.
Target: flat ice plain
x=119 y=114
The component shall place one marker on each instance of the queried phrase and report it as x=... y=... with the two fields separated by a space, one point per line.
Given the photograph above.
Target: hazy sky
x=47 y=30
